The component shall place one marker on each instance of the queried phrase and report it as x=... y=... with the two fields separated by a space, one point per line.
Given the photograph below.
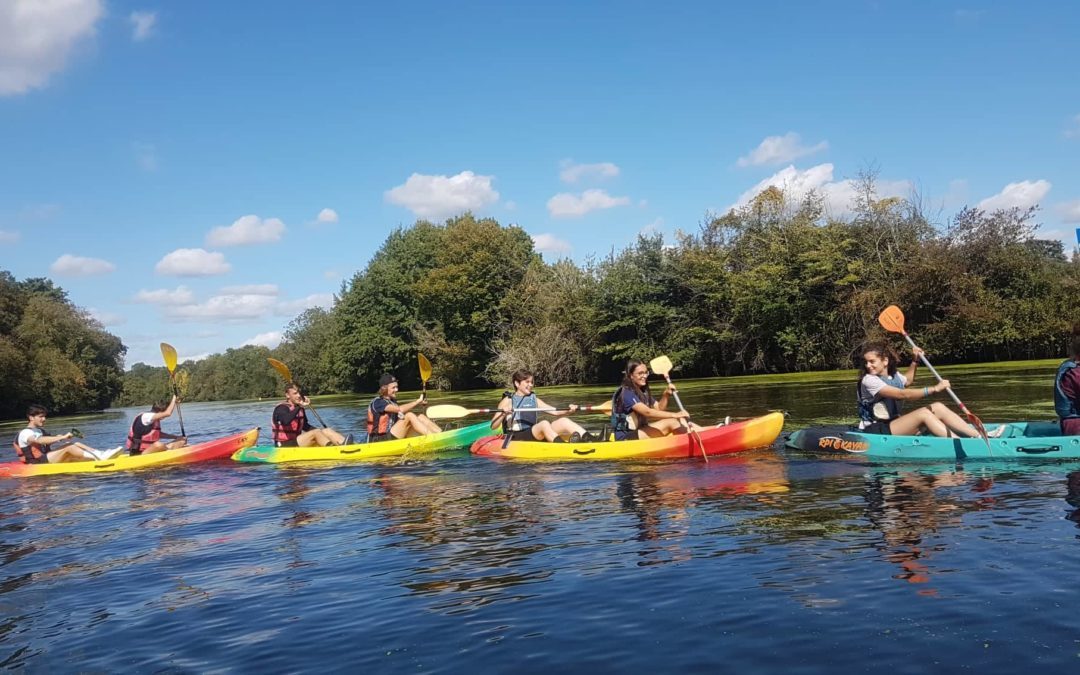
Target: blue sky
x=198 y=172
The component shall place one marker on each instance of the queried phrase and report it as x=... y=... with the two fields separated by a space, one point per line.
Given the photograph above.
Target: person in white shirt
x=34 y=445
x=882 y=389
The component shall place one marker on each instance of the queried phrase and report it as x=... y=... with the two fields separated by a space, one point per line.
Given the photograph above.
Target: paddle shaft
x=179 y=413
x=922 y=357
x=686 y=423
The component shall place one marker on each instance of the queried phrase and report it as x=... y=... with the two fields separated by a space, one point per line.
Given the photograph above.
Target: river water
x=769 y=561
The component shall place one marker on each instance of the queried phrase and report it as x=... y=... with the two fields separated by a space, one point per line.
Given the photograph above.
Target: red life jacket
x=36 y=451
x=141 y=436
x=379 y=424
x=286 y=433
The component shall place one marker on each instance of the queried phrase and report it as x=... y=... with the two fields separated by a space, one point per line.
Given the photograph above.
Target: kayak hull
x=359 y=452
x=1021 y=440
x=219 y=448
x=718 y=440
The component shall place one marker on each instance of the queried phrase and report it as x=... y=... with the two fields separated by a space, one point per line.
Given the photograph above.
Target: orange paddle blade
x=892 y=319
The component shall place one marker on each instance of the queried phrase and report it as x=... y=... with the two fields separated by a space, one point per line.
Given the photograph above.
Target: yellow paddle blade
x=448 y=411
x=425 y=367
x=168 y=352
x=282 y=369
x=661 y=365
x=892 y=319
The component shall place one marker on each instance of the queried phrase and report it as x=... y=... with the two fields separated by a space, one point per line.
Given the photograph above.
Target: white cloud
x=193 y=357
x=1073 y=129
x=566 y=205
x=838 y=195
x=435 y=197
x=107 y=318
x=182 y=295
x=248 y=229
x=78 y=266
x=192 y=262
x=331 y=274
x=1069 y=211
x=225 y=307
x=145 y=156
x=270 y=340
x=572 y=172
x=327 y=216
x=294 y=307
x=142 y=25
x=653 y=227
x=1017 y=195
x=780 y=150
x=36 y=37
x=8 y=237
x=549 y=243
x=251 y=289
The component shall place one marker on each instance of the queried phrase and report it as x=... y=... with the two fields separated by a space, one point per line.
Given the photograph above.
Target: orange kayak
x=219 y=448
x=718 y=440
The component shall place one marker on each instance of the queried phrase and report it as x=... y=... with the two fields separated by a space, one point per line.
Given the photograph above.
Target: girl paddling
x=881 y=389
x=636 y=414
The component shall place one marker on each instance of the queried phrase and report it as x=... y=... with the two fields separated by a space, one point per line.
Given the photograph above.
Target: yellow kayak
x=717 y=440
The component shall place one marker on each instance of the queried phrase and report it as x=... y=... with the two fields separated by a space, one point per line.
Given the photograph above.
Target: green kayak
x=359 y=452
x=1020 y=440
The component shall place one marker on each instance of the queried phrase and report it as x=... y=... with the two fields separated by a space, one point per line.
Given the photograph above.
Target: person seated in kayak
x=386 y=418
x=882 y=388
x=519 y=416
x=1067 y=388
x=289 y=426
x=635 y=414
x=145 y=434
x=34 y=445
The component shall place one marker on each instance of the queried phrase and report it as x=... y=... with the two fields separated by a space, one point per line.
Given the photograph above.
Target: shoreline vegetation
x=778 y=286
x=843 y=375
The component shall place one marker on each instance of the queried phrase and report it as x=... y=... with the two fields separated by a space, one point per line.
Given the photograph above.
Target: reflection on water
x=761 y=561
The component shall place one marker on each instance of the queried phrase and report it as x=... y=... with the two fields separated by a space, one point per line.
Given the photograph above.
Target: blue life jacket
x=620 y=416
x=1066 y=407
x=880 y=408
x=523 y=419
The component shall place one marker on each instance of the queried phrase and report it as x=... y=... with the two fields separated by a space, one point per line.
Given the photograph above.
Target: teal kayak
x=1020 y=440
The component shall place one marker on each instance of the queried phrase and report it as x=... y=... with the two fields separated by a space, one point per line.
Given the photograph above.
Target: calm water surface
x=766 y=560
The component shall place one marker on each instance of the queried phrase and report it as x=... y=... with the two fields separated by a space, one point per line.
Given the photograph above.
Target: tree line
x=52 y=352
x=777 y=285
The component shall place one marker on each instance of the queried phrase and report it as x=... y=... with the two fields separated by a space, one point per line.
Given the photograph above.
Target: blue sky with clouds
x=201 y=171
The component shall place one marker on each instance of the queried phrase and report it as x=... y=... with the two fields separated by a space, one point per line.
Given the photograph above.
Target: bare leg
x=660 y=428
x=412 y=425
x=319 y=437
x=542 y=431
x=910 y=423
x=429 y=426
x=564 y=426
x=76 y=452
x=953 y=421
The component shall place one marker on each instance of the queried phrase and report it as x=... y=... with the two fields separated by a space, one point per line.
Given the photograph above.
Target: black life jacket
x=287 y=433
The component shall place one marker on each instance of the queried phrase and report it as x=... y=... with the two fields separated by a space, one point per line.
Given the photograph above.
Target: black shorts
x=522 y=435
x=375 y=438
x=286 y=444
x=881 y=428
x=30 y=459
